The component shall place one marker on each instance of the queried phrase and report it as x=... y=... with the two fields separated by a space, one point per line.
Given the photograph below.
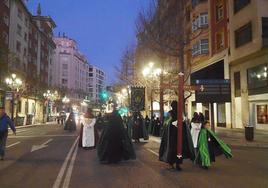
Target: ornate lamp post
x=50 y=96
x=151 y=72
x=14 y=83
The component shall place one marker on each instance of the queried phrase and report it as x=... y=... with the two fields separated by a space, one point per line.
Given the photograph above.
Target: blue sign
x=212 y=81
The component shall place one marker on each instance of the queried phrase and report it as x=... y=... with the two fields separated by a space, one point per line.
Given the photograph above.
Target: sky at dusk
x=102 y=28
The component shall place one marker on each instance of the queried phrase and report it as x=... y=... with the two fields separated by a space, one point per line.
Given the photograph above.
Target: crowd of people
x=112 y=135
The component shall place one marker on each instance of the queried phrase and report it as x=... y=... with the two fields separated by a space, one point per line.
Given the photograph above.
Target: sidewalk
x=236 y=137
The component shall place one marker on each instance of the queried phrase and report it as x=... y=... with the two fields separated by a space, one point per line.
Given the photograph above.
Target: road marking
x=155 y=139
x=70 y=169
x=62 y=170
x=153 y=152
x=38 y=147
x=13 y=144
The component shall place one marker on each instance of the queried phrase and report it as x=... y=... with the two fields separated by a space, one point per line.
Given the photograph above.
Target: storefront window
x=257 y=77
x=2 y=98
x=262 y=114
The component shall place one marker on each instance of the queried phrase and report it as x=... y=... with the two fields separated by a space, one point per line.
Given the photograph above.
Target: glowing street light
x=14 y=83
x=65 y=100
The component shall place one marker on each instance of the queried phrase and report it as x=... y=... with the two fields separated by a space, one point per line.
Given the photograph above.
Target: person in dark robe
x=201 y=117
x=152 y=124
x=139 y=130
x=168 y=147
x=70 y=124
x=115 y=144
x=210 y=146
x=147 y=122
x=157 y=127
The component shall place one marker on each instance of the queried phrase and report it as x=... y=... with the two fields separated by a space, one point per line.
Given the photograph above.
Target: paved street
x=58 y=162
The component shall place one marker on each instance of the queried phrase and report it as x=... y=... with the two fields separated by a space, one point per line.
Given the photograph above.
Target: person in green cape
x=209 y=146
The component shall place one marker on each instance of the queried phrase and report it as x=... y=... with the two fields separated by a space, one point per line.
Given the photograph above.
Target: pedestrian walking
x=210 y=146
x=168 y=147
x=5 y=122
x=88 y=132
x=157 y=127
x=115 y=144
x=139 y=130
x=195 y=129
x=70 y=123
x=147 y=122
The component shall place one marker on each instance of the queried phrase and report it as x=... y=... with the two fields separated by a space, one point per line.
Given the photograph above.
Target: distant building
x=70 y=68
x=4 y=36
x=97 y=78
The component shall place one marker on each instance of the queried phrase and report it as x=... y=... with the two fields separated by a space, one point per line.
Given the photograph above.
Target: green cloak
x=207 y=150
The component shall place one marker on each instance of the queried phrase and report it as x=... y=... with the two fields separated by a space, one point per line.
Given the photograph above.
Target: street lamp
x=152 y=72
x=14 y=83
x=65 y=100
x=50 y=96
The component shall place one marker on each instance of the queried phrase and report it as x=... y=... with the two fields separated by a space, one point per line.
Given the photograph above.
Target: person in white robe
x=195 y=129
x=88 y=134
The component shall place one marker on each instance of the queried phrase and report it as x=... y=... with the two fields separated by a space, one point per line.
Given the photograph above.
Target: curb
x=34 y=125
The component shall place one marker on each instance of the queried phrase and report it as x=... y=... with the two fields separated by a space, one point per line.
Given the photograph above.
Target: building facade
x=70 y=68
x=30 y=48
x=209 y=60
x=4 y=37
x=249 y=62
x=96 y=84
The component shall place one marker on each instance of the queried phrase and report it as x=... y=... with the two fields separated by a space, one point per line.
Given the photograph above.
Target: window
x=24 y=52
x=6 y=2
x=65 y=66
x=239 y=4
x=219 y=10
x=257 y=77
x=6 y=19
x=195 y=24
x=19 y=32
x=18 y=46
x=243 y=35
x=265 y=27
x=220 y=40
x=204 y=46
x=237 y=84
x=5 y=37
x=203 y=19
x=20 y=14
x=201 y=47
x=64 y=81
x=26 y=22
x=25 y=36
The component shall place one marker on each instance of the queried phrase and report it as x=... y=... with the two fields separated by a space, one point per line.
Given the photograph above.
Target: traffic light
x=104 y=95
x=123 y=111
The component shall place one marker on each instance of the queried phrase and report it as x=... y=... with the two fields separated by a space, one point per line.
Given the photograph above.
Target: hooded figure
x=168 y=146
x=195 y=128
x=210 y=146
x=138 y=128
x=115 y=144
x=70 y=123
x=88 y=132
